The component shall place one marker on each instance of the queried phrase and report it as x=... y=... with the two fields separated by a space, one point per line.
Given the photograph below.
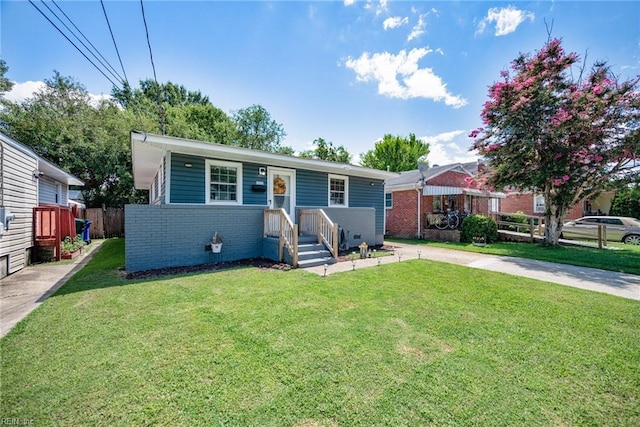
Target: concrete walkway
x=23 y=291
x=610 y=282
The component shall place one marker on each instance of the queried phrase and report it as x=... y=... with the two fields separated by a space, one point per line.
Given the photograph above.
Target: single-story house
x=261 y=204
x=415 y=197
x=26 y=182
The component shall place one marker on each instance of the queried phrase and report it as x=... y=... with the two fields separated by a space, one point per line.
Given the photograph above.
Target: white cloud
x=449 y=147
x=349 y=2
x=394 y=22
x=399 y=76
x=418 y=29
x=382 y=6
x=22 y=91
x=507 y=19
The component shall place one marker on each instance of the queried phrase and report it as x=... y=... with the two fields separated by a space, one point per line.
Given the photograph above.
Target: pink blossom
x=558 y=182
x=492 y=147
x=565 y=178
x=598 y=158
x=474 y=133
x=597 y=90
x=557 y=156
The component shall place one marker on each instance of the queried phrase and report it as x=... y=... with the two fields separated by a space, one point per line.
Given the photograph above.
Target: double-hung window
x=223 y=182
x=388 y=200
x=538 y=203
x=338 y=190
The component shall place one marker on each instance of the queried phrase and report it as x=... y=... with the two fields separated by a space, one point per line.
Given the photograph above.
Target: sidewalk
x=610 y=282
x=23 y=291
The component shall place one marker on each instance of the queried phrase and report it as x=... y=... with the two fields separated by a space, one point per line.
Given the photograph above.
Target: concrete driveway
x=23 y=291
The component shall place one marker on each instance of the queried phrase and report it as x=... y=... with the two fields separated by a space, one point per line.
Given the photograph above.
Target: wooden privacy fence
x=105 y=223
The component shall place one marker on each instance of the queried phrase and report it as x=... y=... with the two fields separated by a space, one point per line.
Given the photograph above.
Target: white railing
x=316 y=221
x=277 y=223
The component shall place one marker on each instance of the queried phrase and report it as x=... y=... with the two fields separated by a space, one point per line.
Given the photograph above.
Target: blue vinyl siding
x=312 y=188
x=250 y=176
x=364 y=195
x=187 y=184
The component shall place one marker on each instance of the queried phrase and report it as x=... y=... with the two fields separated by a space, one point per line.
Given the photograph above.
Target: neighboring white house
x=26 y=181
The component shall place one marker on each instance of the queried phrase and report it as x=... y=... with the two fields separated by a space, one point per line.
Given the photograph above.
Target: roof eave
x=155 y=146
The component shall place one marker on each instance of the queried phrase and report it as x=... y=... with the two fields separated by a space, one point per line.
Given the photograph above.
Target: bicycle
x=449 y=220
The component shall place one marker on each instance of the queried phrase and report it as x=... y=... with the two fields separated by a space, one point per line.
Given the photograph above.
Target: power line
x=88 y=41
x=74 y=45
x=144 y=19
x=155 y=78
x=114 y=42
x=116 y=75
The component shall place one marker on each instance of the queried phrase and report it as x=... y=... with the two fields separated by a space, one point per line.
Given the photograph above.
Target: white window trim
x=494 y=205
x=346 y=191
x=535 y=205
x=58 y=193
x=207 y=182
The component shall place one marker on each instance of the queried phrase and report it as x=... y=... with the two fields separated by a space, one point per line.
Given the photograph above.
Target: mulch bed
x=260 y=263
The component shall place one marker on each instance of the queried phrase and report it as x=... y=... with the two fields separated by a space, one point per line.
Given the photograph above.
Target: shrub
x=479 y=226
x=69 y=245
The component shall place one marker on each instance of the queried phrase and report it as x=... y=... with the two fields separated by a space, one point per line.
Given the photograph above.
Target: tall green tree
x=91 y=141
x=396 y=153
x=552 y=133
x=5 y=83
x=168 y=93
x=324 y=150
x=627 y=202
x=257 y=130
x=176 y=111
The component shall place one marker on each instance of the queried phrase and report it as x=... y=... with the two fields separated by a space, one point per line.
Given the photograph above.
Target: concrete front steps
x=311 y=253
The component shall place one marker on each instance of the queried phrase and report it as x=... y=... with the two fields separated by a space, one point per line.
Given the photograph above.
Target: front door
x=282 y=191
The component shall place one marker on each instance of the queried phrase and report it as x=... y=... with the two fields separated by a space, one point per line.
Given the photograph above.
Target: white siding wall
x=48 y=190
x=20 y=196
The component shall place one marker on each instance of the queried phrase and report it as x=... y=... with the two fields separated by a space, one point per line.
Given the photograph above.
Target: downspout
x=418 y=188
x=419 y=203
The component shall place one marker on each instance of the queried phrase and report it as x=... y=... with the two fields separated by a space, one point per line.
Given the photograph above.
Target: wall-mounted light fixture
x=372 y=183
x=262 y=171
x=38 y=174
x=188 y=165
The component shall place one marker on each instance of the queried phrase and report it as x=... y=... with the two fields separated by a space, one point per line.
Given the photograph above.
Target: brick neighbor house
x=530 y=203
x=412 y=198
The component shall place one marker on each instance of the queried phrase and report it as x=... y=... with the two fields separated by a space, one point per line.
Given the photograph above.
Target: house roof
x=409 y=179
x=46 y=167
x=148 y=150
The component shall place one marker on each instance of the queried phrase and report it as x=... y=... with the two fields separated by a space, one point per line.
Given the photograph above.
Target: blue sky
x=346 y=71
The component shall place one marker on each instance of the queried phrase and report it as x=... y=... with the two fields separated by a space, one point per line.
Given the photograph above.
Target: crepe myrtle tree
x=561 y=136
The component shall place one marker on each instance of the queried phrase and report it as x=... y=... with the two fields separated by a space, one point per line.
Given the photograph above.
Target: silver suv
x=619 y=228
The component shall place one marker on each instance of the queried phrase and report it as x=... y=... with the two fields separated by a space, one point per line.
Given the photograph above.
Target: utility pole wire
x=74 y=45
x=88 y=41
x=126 y=80
x=116 y=75
x=155 y=78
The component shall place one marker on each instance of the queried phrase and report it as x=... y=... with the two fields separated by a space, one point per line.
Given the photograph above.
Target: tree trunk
x=553 y=228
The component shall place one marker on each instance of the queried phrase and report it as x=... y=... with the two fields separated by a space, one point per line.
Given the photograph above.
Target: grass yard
x=624 y=259
x=411 y=343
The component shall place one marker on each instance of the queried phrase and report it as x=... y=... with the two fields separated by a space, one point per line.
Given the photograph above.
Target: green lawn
x=411 y=343
x=624 y=258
